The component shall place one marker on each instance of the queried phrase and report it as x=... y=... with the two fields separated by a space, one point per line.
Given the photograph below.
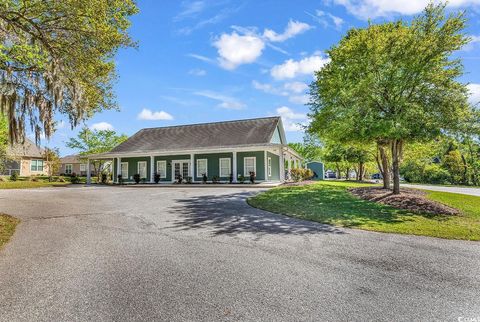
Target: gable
x=276 y=138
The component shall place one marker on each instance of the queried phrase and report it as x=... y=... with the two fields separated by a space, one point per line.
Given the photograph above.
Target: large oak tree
x=57 y=57
x=393 y=83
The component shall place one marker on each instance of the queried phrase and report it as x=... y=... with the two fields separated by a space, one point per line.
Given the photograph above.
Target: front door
x=181 y=168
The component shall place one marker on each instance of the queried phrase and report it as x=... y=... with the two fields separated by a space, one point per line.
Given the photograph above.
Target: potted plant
x=230 y=178
x=179 y=179
x=120 y=179
x=252 y=177
x=136 y=178
x=156 y=177
x=204 y=178
x=104 y=178
x=241 y=178
x=215 y=179
x=189 y=180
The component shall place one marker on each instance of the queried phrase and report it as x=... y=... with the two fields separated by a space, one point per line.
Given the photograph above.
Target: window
x=142 y=169
x=249 y=165
x=225 y=169
x=124 y=170
x=162 y=168
x=83 y=167
x=269 y=166
x=36 y=165
x=201 y=167
x=68 y=168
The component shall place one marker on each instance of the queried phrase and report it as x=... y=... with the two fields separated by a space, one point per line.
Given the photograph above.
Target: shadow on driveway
x=230 y=215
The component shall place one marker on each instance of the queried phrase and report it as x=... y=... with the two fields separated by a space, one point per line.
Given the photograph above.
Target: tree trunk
x=339 y=173
x=361 y=171
x=397 y=150
x=383 y=166
x=465 y=170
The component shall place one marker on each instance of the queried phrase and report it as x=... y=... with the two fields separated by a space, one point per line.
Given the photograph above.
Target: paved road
x=185 y=254
x=460 y=190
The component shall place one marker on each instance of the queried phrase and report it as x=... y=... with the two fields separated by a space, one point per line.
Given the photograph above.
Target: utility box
x=318 y=170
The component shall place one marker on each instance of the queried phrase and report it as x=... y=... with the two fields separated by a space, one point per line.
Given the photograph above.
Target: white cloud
x=268 y=88
x=234 y=49
x=292 y=121
x=474 y=40
x=190 y=9
x=296 y=87
x=202 y=58
x=299 y=99
x=101 y=126
x=293 y=28
x=197 y=72
x=292 y=68
x=244 y=45
x=148 y=115
x=226 y=102
x=365 y=9
x=326 y=19
x=474 y=93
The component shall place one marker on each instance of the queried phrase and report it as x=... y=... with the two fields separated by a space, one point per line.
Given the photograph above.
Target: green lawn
x=7 y=228
x=331 y=203
x=29 y=184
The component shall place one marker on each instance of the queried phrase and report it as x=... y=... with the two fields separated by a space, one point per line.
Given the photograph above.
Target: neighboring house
x=217 y=149
x=26 y=159
x=73 y=164
x=317 y=168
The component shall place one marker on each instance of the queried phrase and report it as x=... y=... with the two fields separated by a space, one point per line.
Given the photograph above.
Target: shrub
x=230 y=178
x=301 y=174
x=144 y=180
x=33 y=179
x=215 y=179
x=74 y=178
x=241 y=178
x=104 y=178
x=179 y=179
x=189 y=179
x=156 y=178
x=61 y=179
x=252 y=177
x=14 y=176
x=3 y=179
x=435 y=174
x=204 y=178
x=120 y=179
x=136 y=178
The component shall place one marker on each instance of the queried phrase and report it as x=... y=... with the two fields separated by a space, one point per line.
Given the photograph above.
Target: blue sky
x=212 y=60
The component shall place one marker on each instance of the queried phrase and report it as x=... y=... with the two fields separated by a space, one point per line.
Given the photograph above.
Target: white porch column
x=192 y=166
x=266 y=165
x=152 y=168
x=119 y=170
x=234 y=167
x=88 y=172
x=281 y=166
x=289 y=164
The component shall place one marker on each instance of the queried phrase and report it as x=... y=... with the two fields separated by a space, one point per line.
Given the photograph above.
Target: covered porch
x=270 y=163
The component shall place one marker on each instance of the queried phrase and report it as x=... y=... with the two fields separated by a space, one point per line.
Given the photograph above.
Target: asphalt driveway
x=472 y=191
x=118 y=254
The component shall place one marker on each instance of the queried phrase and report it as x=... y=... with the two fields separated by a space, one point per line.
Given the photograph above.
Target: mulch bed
x=408 y=199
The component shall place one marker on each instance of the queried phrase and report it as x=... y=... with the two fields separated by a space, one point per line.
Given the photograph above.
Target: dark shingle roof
x=27 y=149
x=218 y=134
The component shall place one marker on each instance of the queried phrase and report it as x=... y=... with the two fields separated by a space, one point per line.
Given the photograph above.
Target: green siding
x=260 y=163
x=275 y=167
x=133 y=167
x=276 y=138
x=213 y=165
x=169 y=163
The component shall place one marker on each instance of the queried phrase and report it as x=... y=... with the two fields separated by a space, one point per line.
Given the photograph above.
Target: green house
x=224 y=150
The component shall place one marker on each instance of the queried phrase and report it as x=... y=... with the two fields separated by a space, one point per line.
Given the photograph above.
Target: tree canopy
x=57 y=57
x=393 y=83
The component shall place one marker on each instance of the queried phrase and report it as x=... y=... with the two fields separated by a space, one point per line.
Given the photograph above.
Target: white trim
x=220 y=167
x=269 y=166
x=198 y=173
x=245 y=173
x=152 y=169
x=84 y=167
x=265 y=170
x=165 y=168
x=121 y=171
x=234 y=170
x=138 y=169
x=180 y=161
